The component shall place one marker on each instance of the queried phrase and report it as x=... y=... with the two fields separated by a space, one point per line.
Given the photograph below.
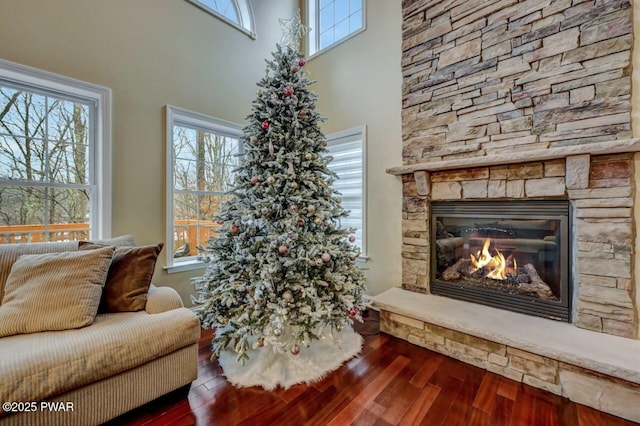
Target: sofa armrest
x=162 y=299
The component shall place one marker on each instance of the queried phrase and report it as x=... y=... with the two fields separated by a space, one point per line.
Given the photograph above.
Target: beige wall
x=150 y=53
x=359 y=83
x=157 y=52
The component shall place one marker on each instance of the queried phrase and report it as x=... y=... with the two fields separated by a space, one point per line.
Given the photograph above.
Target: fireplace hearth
x=512 y=255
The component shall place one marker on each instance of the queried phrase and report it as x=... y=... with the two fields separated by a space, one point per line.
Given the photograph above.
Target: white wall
x=359 y=83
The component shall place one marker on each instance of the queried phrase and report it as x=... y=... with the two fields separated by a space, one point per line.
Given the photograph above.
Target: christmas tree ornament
x=294 y=185
x=308 y=156
x=352 y=239
x=303 y=113
x=288 y=91
x=287 y=296
x=255 y=179
x=319 y=262
x=325 y=144
x=301 y=62
x=234 y=229
x=271 y=180
x=294 y=69
x=300 y=222
x=293 y=208
x=253 y=139
x=317 y=221
x=311 y=209
x=271 y=150
x=265 y=125
x=326 y=257
x=283 y=249
x=295 y=350
x=353 y=312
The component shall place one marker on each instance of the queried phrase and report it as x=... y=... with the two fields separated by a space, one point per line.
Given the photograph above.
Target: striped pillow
x=53 y=291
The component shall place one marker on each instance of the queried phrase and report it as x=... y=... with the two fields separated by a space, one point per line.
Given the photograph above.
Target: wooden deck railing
x=40 y=233
x=184 y=232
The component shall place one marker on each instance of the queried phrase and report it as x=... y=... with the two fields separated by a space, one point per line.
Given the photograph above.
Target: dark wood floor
x=390 y=382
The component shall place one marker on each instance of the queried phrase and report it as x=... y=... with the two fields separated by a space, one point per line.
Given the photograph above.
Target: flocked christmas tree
x=281 y=272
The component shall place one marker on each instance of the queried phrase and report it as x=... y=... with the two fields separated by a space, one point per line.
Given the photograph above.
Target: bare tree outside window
x=44 y=156
x=203 y=165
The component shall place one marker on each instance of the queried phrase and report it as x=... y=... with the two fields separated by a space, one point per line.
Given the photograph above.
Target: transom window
x=333 y=21
x=202 y=152
x=54 y=144
x=237 y=13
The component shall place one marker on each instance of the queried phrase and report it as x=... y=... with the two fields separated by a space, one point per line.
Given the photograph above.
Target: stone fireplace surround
x=592 y=361
x=525 y=99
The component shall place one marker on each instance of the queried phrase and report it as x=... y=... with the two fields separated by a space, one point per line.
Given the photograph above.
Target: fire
x=495 y=265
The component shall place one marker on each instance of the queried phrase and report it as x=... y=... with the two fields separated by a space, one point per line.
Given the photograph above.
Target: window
x=202 y=153
x=54 y=157
x=333 y=21
x=237 y=13
x=348 y=151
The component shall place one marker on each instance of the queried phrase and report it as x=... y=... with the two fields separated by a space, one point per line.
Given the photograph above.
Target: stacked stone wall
x=486 y=77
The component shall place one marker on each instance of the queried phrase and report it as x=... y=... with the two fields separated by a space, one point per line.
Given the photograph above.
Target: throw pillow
x=53 y=291
x=129 y=276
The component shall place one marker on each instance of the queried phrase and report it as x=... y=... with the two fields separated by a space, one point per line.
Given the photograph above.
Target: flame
x=495 y=265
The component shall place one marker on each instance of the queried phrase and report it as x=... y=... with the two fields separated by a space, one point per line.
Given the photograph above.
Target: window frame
x=245 y=15
x=361 y=133
x=313 y=22
x=181 y=116
x=99 y=163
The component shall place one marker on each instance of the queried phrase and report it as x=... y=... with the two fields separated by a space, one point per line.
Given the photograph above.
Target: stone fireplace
x=525 y=101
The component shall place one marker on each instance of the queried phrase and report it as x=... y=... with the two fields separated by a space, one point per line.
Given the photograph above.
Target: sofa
x=69 y=358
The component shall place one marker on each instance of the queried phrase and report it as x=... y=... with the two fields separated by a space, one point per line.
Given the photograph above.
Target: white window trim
x=362 y=132
x=313 y=22
x=176 y=115
x=245 y=14
x=101 y=162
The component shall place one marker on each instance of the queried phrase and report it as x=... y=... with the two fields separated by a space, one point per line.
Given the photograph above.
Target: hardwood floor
x=390 y=382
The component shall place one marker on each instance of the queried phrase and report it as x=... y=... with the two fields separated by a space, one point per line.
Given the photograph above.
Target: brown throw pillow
x=53 y=291
x=129 y=276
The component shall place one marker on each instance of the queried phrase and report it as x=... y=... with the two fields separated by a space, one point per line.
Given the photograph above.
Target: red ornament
x=283 y=249
x=294 y=69
x=255 y=179
x=295 y=350
x=288 y=91
x=219 y=222
x=300 y=222
x=301 y=62
x=265 y=125
x=352 y=239
x=353 y=312
x=234 y=229
x=302 y=113
x=324 y=144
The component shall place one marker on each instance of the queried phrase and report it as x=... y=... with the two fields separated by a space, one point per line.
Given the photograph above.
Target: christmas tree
x=282 y=270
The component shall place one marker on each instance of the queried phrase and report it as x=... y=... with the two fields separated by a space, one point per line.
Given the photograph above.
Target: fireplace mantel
x=598 y=148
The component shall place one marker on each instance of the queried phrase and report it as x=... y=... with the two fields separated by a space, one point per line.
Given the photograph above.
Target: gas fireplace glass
x=511 y=254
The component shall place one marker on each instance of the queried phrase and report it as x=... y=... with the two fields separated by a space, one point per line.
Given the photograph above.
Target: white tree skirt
x=270 y=369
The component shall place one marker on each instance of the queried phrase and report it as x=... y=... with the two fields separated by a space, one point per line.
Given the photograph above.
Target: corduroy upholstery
x=121 y=361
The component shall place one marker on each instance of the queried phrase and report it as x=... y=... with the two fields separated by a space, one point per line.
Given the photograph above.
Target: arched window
x=234 y=12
